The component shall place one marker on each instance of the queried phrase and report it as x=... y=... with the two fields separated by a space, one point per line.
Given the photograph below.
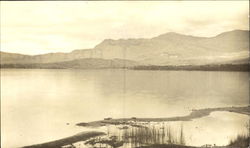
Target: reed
x=241 y=140
x=140 y=136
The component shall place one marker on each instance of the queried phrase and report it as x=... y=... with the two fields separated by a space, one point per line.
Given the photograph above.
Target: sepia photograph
x=125 y=74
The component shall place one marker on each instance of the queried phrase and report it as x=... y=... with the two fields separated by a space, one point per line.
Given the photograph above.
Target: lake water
x=39 y=105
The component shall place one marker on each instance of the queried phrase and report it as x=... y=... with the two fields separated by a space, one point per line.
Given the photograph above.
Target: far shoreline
x=245 y=69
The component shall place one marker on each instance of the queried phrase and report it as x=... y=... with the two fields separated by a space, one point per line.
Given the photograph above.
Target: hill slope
x=177 y=49
x=166 y=49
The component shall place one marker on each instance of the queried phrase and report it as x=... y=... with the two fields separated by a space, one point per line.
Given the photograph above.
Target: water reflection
x=48 y=99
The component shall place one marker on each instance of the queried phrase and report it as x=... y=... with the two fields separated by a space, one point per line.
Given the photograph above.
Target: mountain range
x=169 y=49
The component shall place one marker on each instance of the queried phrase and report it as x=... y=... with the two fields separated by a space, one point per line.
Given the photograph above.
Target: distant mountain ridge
x=166 y=49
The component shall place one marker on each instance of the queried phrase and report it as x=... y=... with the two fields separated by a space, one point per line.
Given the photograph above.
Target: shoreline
x=244 y=67
x=68 y=140
x=125 y=121
x=193 y=115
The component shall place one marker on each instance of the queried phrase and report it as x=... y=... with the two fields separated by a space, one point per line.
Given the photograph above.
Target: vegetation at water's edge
x=141 y=135
x=85 y=63
x=221 y=67
x=118 y=63
x=193 y=115
x=241 y=141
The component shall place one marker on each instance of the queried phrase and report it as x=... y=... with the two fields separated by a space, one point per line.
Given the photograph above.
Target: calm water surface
x=42 y=105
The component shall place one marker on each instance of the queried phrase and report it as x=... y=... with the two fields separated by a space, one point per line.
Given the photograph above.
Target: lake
x=40 y=105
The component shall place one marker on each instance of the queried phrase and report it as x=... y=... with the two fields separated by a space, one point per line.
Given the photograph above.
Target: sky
x=37 y=27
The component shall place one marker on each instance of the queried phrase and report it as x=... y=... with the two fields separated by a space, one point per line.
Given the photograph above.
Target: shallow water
x=36 y=105
x=217 y=128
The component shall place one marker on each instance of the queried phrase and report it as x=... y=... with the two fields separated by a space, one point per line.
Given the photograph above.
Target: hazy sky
x=52 y=26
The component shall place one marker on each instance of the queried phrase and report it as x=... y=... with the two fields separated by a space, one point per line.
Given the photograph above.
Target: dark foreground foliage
x=241 y=141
